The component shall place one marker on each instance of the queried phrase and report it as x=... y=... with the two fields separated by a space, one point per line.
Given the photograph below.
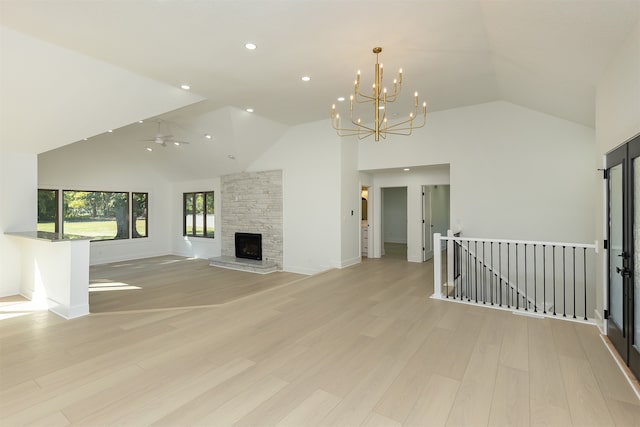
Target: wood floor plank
x=510 y=403
x=586 y=403
x=434 y=403
x=604 y=367
x=310 y=411
x=377 y=420
x=546 y=385
x=624 y=413
x=173 y=396
x=237 y=407
x=401 y=396
x=514 y=351
x=473 y=400
x=363 y=345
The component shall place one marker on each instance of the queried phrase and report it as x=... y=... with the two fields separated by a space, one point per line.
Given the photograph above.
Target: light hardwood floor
x=170 y=282
x=360 y=346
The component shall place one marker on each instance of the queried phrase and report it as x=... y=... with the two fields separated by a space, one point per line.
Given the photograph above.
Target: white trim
x=526 y=242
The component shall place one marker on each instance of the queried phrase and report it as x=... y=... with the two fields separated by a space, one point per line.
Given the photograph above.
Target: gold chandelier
x=379 y=99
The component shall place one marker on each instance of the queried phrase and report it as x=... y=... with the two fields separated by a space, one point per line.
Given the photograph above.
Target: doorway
x=394 y=222
x=623 y=237
x=435 y=216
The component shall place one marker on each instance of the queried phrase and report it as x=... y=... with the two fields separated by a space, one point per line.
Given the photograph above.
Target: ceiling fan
x=165 y=139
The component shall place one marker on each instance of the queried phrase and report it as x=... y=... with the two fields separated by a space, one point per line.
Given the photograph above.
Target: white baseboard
x=68 y=312
x=350 y=262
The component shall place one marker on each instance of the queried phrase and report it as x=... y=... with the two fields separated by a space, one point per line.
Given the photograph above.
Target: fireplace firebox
x=249 y=246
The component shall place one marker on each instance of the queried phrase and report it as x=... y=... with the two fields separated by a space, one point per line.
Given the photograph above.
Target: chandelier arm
x=408 y=132
x=398 y=124
x=392 y=98
x=367 y=135
x=395 y=127
x=361 y=126
x=350 y=132
x=367 y=97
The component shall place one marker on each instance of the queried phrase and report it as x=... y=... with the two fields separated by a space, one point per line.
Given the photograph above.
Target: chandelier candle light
x=379 y=99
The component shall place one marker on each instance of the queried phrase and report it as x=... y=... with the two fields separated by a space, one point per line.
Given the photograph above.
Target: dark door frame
x=622 y=336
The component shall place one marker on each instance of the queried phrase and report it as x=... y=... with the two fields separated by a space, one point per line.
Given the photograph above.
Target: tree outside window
x=100 y=215
x=139 y=202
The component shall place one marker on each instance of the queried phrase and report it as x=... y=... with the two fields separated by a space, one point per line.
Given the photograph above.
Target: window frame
x=56 y=220
x=132 y=222
x=194 y=212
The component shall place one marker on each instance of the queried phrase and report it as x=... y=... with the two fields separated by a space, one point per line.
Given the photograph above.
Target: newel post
x=437 y=266
x=450 y=259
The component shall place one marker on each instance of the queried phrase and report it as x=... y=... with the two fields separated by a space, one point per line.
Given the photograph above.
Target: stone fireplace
x=252 y=204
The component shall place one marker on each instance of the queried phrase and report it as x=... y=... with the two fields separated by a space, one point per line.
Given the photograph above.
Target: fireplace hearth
x=249 y=246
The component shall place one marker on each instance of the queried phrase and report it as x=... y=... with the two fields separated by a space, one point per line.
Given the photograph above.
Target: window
x=48 y=211
x=100 y=215
x=140 y=215
x=199 y=218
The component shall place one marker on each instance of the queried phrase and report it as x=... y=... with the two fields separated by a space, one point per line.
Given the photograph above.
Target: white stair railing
x=547 y=278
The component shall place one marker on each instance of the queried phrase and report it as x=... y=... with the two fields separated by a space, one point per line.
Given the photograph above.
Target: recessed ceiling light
x=381 y=107
x=185 y=87
x=306 y=78
x=149 y=149
x=140 y=121
x=250 y=46
x=340 y=99
x=206 y=135
x=406 y=169
x=110 y=130
x=177 y=144
x=249 y=110
x=86 y=139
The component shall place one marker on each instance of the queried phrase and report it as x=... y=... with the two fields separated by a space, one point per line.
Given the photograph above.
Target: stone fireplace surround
x=252 y=203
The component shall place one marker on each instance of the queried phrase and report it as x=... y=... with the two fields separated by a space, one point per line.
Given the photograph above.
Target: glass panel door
x=623 y=235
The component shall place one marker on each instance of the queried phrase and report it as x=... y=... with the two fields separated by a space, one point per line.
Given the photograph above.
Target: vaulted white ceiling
x=546 y=55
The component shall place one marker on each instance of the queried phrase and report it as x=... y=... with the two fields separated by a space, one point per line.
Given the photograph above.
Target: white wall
x=394 y=214
x=351 y=205
x=617 y=120
x=195 y=247
x=514 y=173
x=18 y=212
x=310 y=158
